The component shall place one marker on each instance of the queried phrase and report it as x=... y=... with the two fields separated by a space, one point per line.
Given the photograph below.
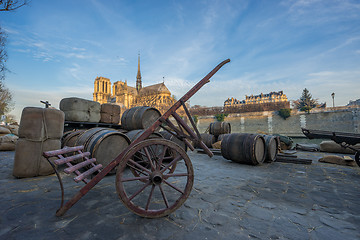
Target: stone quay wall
x=340 y=119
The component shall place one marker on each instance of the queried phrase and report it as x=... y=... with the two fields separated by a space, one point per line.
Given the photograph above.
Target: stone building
x=272 y=97
x=157 y=95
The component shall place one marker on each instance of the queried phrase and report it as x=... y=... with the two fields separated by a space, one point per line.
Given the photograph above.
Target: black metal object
x=345 y=140
x=69 y=125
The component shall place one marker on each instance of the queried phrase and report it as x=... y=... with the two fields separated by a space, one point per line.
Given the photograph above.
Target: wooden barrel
x=132 y=135
x=105 y=145
x=208 y=140
x=69 y=139
x=139 y=117
x=218 y=128
x=169 y=136
x=271 y=148
x=244 y=148
x=222 y=136
x=85 y=137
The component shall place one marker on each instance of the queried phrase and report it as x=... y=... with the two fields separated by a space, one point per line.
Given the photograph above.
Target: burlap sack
x=29 y=162
x=334 y=159
x=80 y=110
x=333 y=147
x=38 y=124
x=8 y=142
x=4 y=130
x=14 y=129
x=110 y=113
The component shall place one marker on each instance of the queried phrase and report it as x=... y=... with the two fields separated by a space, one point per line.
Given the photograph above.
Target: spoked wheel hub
x=160 y=183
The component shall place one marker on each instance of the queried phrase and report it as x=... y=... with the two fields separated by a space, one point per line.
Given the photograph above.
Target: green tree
x=306 y=102
x=220 y=117
x=284 y=113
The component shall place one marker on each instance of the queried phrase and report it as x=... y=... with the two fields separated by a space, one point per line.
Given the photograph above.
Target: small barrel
x=244 y=148
x=208 y=140
x=169 y=136
x=105 y=145
x=139 y=118
x=271 y=148
x=218 y=128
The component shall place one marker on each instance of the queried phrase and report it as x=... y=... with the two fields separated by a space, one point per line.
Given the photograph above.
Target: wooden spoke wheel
x=160 y=187
x=143 y=155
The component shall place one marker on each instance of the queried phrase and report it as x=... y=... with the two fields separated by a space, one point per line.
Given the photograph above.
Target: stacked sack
x=110 y=113
x=80 y=110
x=8 y=137
x=40 y=130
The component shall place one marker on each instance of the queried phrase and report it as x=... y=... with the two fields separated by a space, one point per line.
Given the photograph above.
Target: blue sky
x=57 y=48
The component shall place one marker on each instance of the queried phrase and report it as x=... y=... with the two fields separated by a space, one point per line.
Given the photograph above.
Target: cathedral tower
x=102 y=90
x=138 y=76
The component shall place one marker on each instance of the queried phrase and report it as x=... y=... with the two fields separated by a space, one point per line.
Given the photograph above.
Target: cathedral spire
x=138 y=76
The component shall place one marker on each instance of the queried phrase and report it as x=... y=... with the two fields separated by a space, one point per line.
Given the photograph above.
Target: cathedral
x=157 y=95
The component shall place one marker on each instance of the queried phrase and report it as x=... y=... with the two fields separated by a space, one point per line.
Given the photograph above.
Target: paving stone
x=228 y=201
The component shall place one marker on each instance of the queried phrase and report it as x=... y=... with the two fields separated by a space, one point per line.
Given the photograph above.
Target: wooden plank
x=87 y=173
x=62 y=151
x=71 y=158
x=79 y=165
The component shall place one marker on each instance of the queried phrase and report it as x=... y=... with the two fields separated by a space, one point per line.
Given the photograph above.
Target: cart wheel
x=159 y=189
x=141 y=157
x=357 y=158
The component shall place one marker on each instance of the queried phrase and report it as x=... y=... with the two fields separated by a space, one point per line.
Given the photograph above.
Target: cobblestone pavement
x=228 y=201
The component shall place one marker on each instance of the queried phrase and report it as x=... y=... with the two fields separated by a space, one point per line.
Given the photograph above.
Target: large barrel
x=271 y=148
x=244 y=148
x=171 y=137
x=208 y=140
x=105 y=145
x=85 y=137
x=139 y=117
x=218 y=128
x=132 y=135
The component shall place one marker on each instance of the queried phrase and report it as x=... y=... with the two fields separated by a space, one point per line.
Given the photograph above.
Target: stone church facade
x=157 y=95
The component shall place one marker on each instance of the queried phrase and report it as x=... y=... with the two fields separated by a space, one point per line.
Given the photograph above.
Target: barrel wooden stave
x=244 y=148
x=271 y=148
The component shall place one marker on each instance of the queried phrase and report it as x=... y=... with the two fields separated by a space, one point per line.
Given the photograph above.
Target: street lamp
x=333 y=96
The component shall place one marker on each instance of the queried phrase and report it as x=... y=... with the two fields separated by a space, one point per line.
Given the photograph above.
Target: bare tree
x=3 y=54
x=11 y=5
x=6 y=103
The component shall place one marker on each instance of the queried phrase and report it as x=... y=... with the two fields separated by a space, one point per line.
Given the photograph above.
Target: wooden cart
x=154 y=177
